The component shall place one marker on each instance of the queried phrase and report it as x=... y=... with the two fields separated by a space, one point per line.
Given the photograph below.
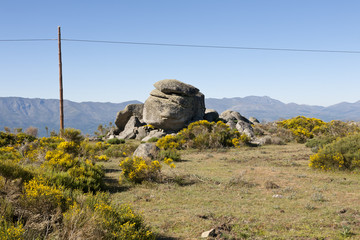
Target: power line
x=215 y=46
x=189 y=45
x=27 y=40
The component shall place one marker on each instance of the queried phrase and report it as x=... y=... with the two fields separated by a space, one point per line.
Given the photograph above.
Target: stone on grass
x=146 y=150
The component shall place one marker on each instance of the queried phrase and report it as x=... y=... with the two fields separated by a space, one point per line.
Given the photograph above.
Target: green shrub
x=342 y=154
x=318 y=142
x=72 y=135
x=115 y=141
x=170 y=153
x=153 y=139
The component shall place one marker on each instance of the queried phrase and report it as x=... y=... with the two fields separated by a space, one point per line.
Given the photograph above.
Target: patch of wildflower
x=137 y=169
x=9 y=231
x=102 y=158
x=170 y=162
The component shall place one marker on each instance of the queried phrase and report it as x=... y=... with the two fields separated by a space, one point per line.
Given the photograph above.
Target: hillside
x=16 y=112
x=19 y=112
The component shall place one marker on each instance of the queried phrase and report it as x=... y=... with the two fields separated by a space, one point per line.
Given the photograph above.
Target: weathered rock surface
x=123 y=116
x=211 y=115
x=154 y=133
x=230 y=115
x=130 y=128
x=253 y=120
x=173 y=105
x=146 y=150
x=245 y=127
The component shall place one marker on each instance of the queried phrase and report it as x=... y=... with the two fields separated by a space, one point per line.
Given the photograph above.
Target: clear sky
x=120 y=72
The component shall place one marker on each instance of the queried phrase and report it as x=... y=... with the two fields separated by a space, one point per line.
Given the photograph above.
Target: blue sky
x=119 y=72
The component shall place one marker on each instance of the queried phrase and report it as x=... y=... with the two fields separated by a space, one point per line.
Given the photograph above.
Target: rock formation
x=173 y=105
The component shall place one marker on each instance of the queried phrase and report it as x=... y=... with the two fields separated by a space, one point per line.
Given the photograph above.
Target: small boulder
x=253 y=120
x=233 y=115
x=146 y=150
x=210 y=233
x=245 y=127
x=211 y=115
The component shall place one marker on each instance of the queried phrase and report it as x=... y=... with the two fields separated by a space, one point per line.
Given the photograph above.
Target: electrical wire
x=187 y=45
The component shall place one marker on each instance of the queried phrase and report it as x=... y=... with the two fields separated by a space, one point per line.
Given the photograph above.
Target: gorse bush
x=136 y=169
x=97 y=217
x=202 y=135
x=10 y=231
x=10 y=139
x=342 y=154
x=303 y=128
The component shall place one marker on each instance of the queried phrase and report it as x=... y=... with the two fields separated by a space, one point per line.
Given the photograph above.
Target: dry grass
x=235 y=192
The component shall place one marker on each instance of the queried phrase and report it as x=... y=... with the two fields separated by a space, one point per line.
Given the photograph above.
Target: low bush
x=170 y=153
x=136 y=169
x=342 y=154
x=95 y=216
x=303 y=128
x=115 y=141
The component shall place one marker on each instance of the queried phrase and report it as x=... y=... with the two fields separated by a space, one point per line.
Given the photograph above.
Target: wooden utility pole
x=61 y=84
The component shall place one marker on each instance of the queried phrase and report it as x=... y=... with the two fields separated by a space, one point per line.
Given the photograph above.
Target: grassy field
x=267 y=192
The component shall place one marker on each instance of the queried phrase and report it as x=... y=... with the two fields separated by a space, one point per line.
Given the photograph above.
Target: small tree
x=32 y=131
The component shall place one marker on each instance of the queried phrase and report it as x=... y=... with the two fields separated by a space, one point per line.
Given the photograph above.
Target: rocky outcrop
x=130 y=110
x=130 y=127
x=173 y=105
x=235 y=121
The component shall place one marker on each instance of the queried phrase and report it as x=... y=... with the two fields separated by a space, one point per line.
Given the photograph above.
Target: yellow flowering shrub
x=344 y=153
x=168 y=142
x=9 y=231
x=137 y=169
x=41 y=196
x=303 y=128
x=10 y=153
x=203 y=134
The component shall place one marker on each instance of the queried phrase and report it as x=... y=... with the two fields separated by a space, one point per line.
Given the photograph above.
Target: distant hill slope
x=16 y=112
x=268 y=109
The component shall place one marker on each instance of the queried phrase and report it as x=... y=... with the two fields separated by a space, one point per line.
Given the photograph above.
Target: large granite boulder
x=130 y=110
x=173 y=105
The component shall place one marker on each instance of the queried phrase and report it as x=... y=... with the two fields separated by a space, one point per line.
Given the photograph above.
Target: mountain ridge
x=18 y=112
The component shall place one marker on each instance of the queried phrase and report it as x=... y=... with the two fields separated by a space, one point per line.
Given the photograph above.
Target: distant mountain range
x=16 y=112
x=268 y=109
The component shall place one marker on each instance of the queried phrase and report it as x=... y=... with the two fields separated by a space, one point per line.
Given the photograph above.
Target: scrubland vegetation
x=302 y=182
